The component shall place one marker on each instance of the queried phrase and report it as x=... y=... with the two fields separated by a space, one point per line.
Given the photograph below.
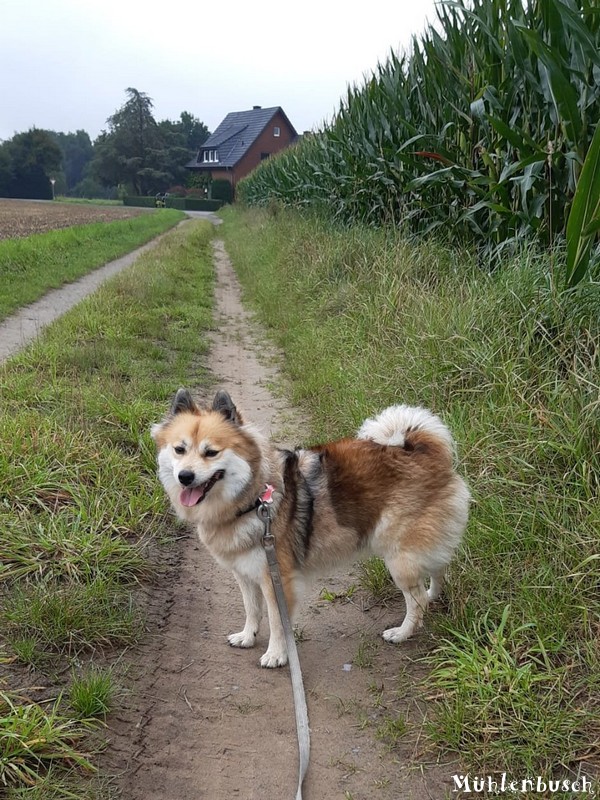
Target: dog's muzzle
x=192 y=495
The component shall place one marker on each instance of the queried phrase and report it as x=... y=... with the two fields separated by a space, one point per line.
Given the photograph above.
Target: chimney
x=255 y=108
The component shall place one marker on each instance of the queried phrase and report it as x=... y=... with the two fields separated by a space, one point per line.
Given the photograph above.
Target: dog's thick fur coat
x=391 y=492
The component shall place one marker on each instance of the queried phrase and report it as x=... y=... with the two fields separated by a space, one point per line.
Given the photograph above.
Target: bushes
x=221 y=190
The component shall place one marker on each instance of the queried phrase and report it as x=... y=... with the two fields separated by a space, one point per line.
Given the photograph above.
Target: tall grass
x=371 y=319
x=80 y=509
x=483 y=126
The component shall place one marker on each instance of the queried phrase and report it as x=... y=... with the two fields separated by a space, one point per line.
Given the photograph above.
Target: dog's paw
x=272 y=659
x=397 y=635
x=242 y=639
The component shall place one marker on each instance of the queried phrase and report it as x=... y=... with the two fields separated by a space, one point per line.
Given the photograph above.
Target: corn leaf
x=584 y=218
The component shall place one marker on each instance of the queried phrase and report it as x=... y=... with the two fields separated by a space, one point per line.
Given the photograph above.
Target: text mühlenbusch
x=478 y=784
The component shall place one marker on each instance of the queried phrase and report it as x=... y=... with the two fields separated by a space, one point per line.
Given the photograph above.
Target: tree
x=194 y=131
x=126 y=153
x=78 y=151
x=5 y=170
x=142 y=154
x=29 y=160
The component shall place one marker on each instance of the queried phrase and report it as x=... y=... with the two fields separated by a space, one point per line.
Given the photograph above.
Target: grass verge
x=30 y=267
x=79 y=501
x=371 y=319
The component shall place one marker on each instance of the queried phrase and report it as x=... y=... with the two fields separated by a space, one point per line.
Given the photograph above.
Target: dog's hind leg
x=252 y=597
x=408 y=577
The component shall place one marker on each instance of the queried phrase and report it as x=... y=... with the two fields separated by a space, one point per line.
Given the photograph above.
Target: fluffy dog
x=391 y=492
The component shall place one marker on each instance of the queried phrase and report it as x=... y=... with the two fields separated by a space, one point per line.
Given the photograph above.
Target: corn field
x=482 y=128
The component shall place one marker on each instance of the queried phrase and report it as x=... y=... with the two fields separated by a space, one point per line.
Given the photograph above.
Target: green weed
x=391 y=730
x=375 y=578
x=91 y=693
x=33 y=737
x=504 y=703
x=365 y=654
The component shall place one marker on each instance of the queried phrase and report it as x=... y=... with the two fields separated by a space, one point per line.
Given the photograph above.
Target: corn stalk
x=481 y=128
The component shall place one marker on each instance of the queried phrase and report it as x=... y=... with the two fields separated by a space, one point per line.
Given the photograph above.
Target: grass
x=88 y=201
x=35 y=736
x=376 y=580
x=372 y=318
x=80 y=509
x=30 y=267
x=92 y=694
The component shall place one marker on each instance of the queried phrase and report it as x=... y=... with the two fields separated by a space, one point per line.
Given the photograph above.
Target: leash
x=302 y=730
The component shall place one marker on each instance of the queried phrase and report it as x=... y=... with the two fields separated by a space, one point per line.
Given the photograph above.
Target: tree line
x=134 y=155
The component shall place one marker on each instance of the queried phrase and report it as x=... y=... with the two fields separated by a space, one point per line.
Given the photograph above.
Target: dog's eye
x=179 y=449
x=211 y=453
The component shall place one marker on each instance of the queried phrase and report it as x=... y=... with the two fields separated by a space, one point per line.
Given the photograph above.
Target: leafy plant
x=480 y=129
x=584 y=219
x=91 y=694
x=33 y=737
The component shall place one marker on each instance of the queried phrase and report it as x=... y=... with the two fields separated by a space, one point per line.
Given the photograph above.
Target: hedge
x=181 y=203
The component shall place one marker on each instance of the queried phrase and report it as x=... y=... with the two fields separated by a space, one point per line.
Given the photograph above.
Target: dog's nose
x=186 y=476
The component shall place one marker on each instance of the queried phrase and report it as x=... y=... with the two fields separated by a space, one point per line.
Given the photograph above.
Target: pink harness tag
x=267 y=495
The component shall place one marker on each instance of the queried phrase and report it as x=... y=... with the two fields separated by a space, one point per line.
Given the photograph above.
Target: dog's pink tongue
x=189 y=497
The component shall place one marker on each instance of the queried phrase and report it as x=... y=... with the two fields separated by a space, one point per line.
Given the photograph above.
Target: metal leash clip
x=263 y=512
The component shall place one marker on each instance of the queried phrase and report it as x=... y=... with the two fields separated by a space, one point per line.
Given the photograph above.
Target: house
x=241 y=142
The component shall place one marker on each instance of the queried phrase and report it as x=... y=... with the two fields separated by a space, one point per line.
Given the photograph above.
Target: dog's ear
x=225 y=406
x=183 y=401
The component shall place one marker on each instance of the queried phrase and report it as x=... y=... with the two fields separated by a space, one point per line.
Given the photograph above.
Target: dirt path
x=204 y=720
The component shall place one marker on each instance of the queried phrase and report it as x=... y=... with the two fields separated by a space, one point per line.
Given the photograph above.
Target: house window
x=210 y=155
x=263 y=156
x=276 y=131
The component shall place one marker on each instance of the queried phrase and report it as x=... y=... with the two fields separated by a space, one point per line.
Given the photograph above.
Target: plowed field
x=19 y=218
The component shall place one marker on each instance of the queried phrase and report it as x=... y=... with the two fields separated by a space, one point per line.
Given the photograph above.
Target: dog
x=390 y=492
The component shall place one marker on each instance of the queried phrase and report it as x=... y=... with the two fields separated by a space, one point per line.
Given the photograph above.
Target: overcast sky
x=66 y=63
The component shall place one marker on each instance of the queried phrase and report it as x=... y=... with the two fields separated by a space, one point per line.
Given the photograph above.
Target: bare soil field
x=20 y=218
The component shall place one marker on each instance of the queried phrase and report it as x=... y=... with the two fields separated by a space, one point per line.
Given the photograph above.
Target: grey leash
x=301 y=711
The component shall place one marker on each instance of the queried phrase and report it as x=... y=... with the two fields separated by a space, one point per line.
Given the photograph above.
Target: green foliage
x=483 y=127
x=375 y=578
x=77 y=152
x=27 y=163
x=140 y=153
x=584 y=220
x=33 y=737
x=221 y=190
x=499 y=688
x=181 y=203
x=91 y=693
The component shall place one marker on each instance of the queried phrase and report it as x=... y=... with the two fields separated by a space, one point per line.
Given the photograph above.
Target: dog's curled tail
x=410 y=428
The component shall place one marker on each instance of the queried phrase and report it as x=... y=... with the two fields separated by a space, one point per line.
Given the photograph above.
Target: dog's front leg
x=252 y=597
x=276 y=655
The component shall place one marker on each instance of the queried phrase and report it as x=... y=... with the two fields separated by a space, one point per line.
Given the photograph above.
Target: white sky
x=66 y=63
